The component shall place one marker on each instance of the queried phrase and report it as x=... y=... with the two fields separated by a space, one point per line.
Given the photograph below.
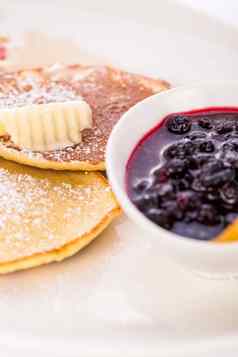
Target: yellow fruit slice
x=229 y=235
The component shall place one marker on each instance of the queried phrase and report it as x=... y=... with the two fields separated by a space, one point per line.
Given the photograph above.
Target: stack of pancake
x=55 y=202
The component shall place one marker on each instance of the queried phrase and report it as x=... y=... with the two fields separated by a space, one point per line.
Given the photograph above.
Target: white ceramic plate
x=120 y=296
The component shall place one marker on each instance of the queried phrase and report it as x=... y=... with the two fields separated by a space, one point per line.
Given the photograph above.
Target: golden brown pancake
x=109 y=92
x=46 y=216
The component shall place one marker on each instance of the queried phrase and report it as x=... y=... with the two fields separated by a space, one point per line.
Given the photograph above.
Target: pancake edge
x=41 y=163
x=67 y=250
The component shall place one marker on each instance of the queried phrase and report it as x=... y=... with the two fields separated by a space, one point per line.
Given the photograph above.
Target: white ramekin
x=218 y=260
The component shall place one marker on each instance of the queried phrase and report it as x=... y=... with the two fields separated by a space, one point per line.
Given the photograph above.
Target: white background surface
x=225 y=11
x=120 y=297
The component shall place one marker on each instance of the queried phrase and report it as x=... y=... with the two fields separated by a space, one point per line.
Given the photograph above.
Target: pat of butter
x=42 y=127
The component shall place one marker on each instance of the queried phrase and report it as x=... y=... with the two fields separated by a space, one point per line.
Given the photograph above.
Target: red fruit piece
x=3 y=53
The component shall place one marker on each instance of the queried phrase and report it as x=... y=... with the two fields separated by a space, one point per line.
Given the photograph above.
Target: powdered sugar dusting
x=41 y=211
x=37 y=95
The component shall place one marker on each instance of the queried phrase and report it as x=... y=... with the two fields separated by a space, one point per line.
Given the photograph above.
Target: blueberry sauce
x=183 y=174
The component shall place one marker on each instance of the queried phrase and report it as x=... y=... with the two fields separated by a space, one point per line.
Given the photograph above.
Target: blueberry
x=173 y=151
x=231 y=136
x=190 y=216
x=172 y=209
x=188 y=200
x=212 y=196
x=176 y=167
x=146 y=200
x=202 y=159
x=208 y=215
x=230 y=158
x=189 y=148
x=189 y=177
x=159 y=175
x=218 y=138
x=165 y=191
x=212 y=174
x=178 y=124
x=180 y=150
x=181 y=185
x=229 y=152
x=205 y=123
x=196 y=135
x=141 y=185
x=160 y=217
x=213 y=166
x=218 y=178
x=230 y=145
x=207 y=146
x=229 y=193
x=192 y=163
x=198 y=186
x=236 y=123
x=224 y=128
x=231 y=217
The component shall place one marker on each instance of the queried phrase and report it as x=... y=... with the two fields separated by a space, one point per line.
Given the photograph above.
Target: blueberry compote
x=183 y=175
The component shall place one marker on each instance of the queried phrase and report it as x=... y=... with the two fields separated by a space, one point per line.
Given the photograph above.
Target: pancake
x=108 y=91
x=47 y=216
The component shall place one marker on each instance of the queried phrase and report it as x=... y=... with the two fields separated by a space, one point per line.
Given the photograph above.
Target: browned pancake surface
x=109 y=92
